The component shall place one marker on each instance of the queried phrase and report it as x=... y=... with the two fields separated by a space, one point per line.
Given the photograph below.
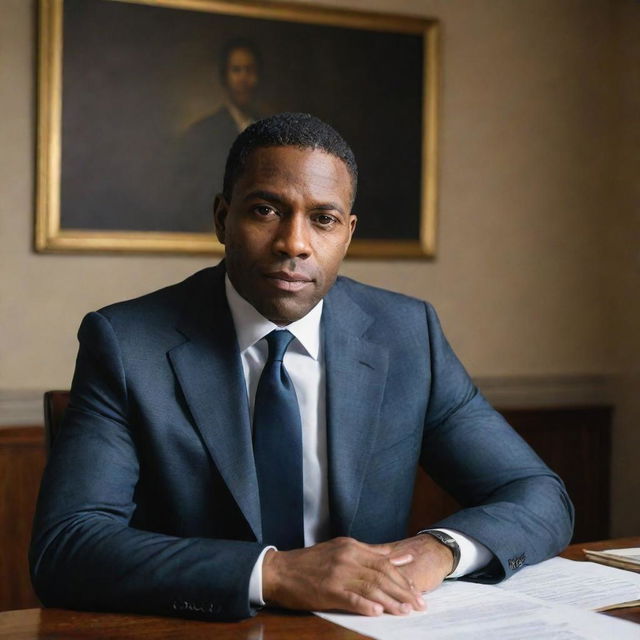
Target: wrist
x=446 y=542
x=270 y=576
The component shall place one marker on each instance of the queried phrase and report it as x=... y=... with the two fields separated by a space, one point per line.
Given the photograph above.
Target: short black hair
x=300 y=130
x=225 y=53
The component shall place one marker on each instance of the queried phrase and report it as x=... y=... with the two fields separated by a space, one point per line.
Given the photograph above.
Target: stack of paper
x=550 y=600
x=579 y=584
x=623 y=558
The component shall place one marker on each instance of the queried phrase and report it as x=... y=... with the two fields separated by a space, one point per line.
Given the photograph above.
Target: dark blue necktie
x=277 y=449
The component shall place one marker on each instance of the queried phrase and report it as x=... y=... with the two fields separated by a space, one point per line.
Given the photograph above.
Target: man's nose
x=293 y=237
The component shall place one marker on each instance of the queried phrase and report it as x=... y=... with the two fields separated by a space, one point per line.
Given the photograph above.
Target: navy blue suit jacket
x=150 y=500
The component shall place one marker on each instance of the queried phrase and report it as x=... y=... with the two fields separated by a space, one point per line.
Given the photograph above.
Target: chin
x=282 y=314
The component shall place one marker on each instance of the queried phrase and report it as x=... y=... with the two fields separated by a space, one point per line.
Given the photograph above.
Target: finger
x=385 y=567
x=380 y=549
x=392 y=600
x=396 y=593
x=378 y=571
x=404 y=581
x=370 y=571
x=356 y=603
x=400 y=561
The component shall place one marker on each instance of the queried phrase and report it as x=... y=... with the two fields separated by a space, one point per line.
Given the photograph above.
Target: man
x=177 y=486
x=203 y=149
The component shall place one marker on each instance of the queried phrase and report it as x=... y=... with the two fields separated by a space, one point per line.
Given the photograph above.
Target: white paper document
x=581 y=584
x=525 y=611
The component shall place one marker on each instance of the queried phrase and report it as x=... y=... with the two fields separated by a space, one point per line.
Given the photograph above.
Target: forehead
x=241 y=55
x=310 y=171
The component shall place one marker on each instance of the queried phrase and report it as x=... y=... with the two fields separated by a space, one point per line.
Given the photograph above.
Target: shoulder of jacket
x=366 y=294
x=167 y=299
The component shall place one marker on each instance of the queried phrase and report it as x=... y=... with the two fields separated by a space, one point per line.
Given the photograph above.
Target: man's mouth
x=288 y=281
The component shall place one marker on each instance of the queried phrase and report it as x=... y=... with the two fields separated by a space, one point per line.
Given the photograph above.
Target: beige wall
x=623 y=223
x=537 y=268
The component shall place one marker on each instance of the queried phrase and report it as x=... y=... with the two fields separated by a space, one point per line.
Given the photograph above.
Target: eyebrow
x=274 y=197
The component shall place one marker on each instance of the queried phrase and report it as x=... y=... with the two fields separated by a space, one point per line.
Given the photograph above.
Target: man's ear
x=220 y=211
x=353 y=220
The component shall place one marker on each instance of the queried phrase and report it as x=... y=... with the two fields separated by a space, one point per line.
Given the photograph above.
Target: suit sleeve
x=84 y=552
x=512 y=502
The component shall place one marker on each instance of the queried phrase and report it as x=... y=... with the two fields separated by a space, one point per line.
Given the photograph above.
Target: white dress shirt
x=241 y=119
x=304 y=362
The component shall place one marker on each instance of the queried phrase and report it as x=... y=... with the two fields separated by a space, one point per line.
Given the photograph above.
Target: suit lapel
x=209 y=371
x=356 y=372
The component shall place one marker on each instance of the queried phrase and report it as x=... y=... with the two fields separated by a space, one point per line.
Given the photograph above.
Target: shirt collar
x=251 y=326
x=241 y=119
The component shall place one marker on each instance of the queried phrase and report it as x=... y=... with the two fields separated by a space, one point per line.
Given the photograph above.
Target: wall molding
x=23 y=407
x=531 y=392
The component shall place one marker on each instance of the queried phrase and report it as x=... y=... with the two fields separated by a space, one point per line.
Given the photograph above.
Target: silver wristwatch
x=447 y=541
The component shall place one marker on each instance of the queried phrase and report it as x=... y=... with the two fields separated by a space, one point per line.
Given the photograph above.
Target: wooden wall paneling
x=574 y=441
x=22 y=460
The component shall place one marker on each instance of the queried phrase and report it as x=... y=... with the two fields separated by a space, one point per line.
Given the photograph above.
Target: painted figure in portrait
x=204 y=147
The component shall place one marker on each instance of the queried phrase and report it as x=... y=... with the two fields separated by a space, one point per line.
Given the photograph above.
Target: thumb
x=399 y=559
x=381 y=549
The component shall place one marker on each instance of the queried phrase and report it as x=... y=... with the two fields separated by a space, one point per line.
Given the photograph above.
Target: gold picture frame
x=64 y=83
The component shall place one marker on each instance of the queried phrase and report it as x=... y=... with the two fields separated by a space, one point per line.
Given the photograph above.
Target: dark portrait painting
x=146 y=101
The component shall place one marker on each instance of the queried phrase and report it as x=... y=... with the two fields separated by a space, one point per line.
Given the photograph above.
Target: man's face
x=286 y=229
x=241 y=77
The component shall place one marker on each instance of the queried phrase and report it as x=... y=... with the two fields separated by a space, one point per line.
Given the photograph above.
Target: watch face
x=445 y=539
x=449 y=542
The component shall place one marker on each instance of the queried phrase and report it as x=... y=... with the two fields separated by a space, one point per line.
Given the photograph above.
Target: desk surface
x=50 y=624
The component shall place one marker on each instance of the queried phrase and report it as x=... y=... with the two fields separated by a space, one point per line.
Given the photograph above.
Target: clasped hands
x=356 y=577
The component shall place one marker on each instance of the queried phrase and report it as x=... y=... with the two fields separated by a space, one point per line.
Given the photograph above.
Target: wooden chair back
x=55 y=404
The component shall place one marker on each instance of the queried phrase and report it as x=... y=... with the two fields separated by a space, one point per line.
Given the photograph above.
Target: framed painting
x=140 y=100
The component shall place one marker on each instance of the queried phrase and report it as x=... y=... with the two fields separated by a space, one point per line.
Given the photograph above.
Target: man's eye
x=264 y=210
x=325 y=220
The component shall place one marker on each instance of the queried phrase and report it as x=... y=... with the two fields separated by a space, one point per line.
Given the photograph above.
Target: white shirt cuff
x=255 y=581
x=473 y=554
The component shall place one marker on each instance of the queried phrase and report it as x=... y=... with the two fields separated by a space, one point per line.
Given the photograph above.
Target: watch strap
x=447 y=541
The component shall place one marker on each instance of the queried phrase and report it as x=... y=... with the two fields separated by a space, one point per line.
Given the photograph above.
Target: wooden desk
x=574 y=552
x=58 y=624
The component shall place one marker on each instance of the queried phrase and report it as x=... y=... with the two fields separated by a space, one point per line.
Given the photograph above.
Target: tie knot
x=278 y=342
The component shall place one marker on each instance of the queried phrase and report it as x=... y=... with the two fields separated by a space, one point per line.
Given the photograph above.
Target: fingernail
x=405 y=607
x=402 y=560
x=377 y=609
